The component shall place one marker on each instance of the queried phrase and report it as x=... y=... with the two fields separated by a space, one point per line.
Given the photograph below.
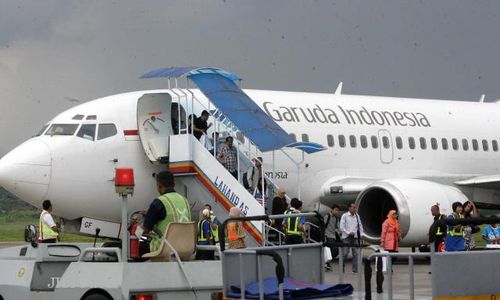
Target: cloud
x=53 y=50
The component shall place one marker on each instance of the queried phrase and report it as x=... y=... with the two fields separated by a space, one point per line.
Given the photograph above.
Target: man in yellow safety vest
x=205 y=236
x=293 y=225
x=437 y=233
x=49 y=233
x=167 y=208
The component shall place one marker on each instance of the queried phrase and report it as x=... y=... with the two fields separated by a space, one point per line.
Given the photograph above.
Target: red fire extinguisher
x=133 y=241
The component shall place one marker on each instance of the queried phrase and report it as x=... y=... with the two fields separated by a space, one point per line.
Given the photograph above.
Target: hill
x=9 y=203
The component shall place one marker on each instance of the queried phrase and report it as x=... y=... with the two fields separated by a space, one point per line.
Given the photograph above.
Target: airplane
x=381 y=152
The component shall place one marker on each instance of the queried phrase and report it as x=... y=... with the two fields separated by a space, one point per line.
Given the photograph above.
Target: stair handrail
x=222 y=229
x=308 y=226
x=267 y=178
x=281 y=235
x=239 y=144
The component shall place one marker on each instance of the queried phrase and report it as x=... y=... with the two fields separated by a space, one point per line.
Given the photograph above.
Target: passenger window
x=444 y=143
x=87 y=131
x=42 y=130
x=475 y=145
x=352 y=141
x=363 y=141
x=434 y=144
x=485 y=145
x=341 y=141
x=465 y=144
x=454 y=144
x=411 y=142
x=494 y=144
x=374 y=142
x=399 y=142
x=106 y=131
x=292 y=135
x=329 y=139
x=62 y=129
x=423 y=143
x=385 y=142
x=305 y=137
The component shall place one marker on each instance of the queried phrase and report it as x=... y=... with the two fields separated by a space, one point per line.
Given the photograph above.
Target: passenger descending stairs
x=207 y=181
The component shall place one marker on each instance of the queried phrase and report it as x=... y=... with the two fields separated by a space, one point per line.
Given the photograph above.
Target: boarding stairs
x=199 y=175
x=206 y=181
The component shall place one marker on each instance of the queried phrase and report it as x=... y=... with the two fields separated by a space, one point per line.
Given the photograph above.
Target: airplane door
x=386 y=146
x=155 y=125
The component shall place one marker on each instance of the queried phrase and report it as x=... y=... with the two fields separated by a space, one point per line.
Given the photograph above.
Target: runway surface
x=400 y=278
x=400 y=284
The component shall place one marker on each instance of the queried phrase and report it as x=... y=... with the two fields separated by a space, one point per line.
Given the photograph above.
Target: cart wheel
x=95 y=297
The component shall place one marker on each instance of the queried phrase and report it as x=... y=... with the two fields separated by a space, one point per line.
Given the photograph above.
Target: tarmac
x=400 y=282
x=10 y=244
x=400 y=277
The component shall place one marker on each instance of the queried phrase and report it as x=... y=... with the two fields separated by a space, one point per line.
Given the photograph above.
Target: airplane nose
x=25 y=171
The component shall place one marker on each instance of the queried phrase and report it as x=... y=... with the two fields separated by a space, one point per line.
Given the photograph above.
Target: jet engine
x=412 y=198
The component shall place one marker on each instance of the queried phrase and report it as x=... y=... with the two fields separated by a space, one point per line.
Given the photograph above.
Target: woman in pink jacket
x=391 y=234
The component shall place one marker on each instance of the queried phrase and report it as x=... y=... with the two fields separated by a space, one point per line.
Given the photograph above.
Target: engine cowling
x=412 y=198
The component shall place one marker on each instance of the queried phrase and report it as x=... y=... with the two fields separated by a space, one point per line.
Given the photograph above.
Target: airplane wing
x=486 y=181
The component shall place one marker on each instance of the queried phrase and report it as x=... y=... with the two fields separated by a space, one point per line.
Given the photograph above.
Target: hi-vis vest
x=453 y=231
x=292 y=224
x=177 y=209
x=215 y=233
x=46 y=232
x=201 y=234
x=232 y=231
x=439 y=232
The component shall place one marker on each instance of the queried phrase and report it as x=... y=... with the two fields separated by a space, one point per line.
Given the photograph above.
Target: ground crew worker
x=214 y=223
x=455 y=239
x=294 y=226
x=49 y=233
x=205 y=236
x=167 y=208
x=437 y=233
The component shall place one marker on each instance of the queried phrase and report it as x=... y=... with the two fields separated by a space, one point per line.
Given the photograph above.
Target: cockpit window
x=87 y=131
x=78 y=117
x=106 y=131
x=62 y=129
x=42 y=130
x=92 y=117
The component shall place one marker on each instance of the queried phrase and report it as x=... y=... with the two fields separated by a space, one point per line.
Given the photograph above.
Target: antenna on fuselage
x=481 y=100
x=338 y=91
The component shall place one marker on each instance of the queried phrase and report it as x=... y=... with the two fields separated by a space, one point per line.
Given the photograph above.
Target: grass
x=12 y=227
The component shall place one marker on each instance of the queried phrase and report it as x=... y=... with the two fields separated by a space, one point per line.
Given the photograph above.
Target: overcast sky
x=52 y=52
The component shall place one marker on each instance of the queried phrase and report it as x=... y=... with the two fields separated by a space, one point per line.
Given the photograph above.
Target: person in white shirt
x=352 y=231
x=49 y=233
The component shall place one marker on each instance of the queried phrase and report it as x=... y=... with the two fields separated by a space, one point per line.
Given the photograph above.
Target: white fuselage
x=353 y=117
x=77 y=174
